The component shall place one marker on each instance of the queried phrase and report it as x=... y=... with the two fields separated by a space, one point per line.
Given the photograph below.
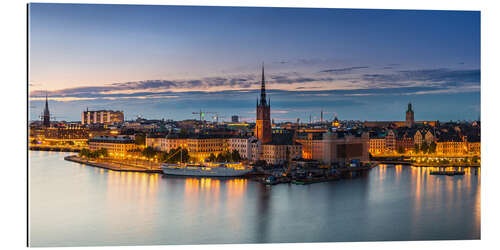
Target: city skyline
x=359 y=64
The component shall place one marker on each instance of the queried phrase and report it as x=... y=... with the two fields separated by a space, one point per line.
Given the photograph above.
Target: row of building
x=445 y=140
x=338 y=144
x=332 y=148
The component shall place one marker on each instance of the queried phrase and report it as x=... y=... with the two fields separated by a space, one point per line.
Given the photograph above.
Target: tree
x=432 y=148
x=184 y=156
x=475 y=159
x=162 y=156
x=149 y=152
x=401 y=150
x=424 y=148
x=84 y=153
x=416 y=148
x=140 y=139
x=183 y=133
x=102 y=152
x=93 y=154
x=219 y=158
x=225 y=156
x=212 y=157
x=235 y=156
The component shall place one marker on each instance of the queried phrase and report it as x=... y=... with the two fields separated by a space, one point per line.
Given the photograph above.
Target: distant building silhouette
x=410 y=118
x=235 y=118
x=102 y=117
x=409 y=122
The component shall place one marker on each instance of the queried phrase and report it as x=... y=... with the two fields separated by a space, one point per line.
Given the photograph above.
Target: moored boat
x=208 y=169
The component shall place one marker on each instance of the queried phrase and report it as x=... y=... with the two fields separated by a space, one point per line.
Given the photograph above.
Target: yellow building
x=451 y=147
x=116 y=146
x=201 y=148
x=474 y=148
x=377 y=146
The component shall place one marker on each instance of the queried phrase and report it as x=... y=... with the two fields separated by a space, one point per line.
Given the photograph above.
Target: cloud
x=342 y=70
x=402 y=82
x=206 y=84
x=426 y=77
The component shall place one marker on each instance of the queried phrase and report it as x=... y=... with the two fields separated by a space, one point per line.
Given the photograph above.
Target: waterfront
x=76 y=205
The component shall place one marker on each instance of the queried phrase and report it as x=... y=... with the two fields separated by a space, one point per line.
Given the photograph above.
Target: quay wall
x=111 y=166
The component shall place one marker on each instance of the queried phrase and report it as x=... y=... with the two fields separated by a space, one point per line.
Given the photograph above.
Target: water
x=77 y=205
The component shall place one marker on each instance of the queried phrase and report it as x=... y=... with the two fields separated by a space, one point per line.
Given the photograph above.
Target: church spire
x=46 y=113
x=46 y=103
x=263 y=89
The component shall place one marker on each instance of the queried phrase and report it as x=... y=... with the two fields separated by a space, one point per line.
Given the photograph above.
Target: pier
x=115 y=166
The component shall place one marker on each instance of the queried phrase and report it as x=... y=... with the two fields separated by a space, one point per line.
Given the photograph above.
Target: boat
x=271 y=180
x=206 y=170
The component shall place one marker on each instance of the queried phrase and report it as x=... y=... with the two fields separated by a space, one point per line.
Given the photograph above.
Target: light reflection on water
x=76 y=205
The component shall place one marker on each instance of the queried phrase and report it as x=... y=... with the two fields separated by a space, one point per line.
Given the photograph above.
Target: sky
x=170 y=61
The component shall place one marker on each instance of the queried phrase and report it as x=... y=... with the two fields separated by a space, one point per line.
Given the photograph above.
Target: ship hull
x=213 y=172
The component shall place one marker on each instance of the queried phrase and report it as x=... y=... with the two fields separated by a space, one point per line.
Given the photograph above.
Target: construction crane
x=202 y=114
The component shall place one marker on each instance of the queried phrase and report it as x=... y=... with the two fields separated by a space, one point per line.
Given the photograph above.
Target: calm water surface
x=77 y=205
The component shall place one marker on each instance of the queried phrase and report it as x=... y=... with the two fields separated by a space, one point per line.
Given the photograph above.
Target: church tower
x=263 y=130
x=46 y=113
x=410 y=119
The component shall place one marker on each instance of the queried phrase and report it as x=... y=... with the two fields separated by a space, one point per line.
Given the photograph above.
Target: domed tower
x=263 y=130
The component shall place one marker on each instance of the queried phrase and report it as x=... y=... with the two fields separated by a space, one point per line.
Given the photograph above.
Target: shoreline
x=53 y=149
x=111 y=166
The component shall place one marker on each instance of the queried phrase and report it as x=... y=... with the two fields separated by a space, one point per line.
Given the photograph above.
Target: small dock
x=113 y=165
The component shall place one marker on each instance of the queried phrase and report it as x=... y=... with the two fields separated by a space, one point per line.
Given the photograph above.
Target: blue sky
x=168 y=61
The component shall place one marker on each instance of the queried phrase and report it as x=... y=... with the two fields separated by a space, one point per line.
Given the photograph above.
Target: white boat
x=209 y=169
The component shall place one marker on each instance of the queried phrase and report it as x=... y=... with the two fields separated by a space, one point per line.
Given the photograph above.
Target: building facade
x=342 y=148
x=312 y=145
x=116 y=146
x=244 y=146
x=275 y=154
x=390 y=141
x=235 y=119
x=377 y=146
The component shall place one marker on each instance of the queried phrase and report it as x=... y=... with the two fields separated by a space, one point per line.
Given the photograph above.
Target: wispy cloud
x=401 y=82
x=342 y=70
x=426 y=77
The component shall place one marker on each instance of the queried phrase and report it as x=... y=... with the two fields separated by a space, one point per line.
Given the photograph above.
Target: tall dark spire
x=46 y=110
x=263 y=128
x=46 y=113
x=263 y=88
